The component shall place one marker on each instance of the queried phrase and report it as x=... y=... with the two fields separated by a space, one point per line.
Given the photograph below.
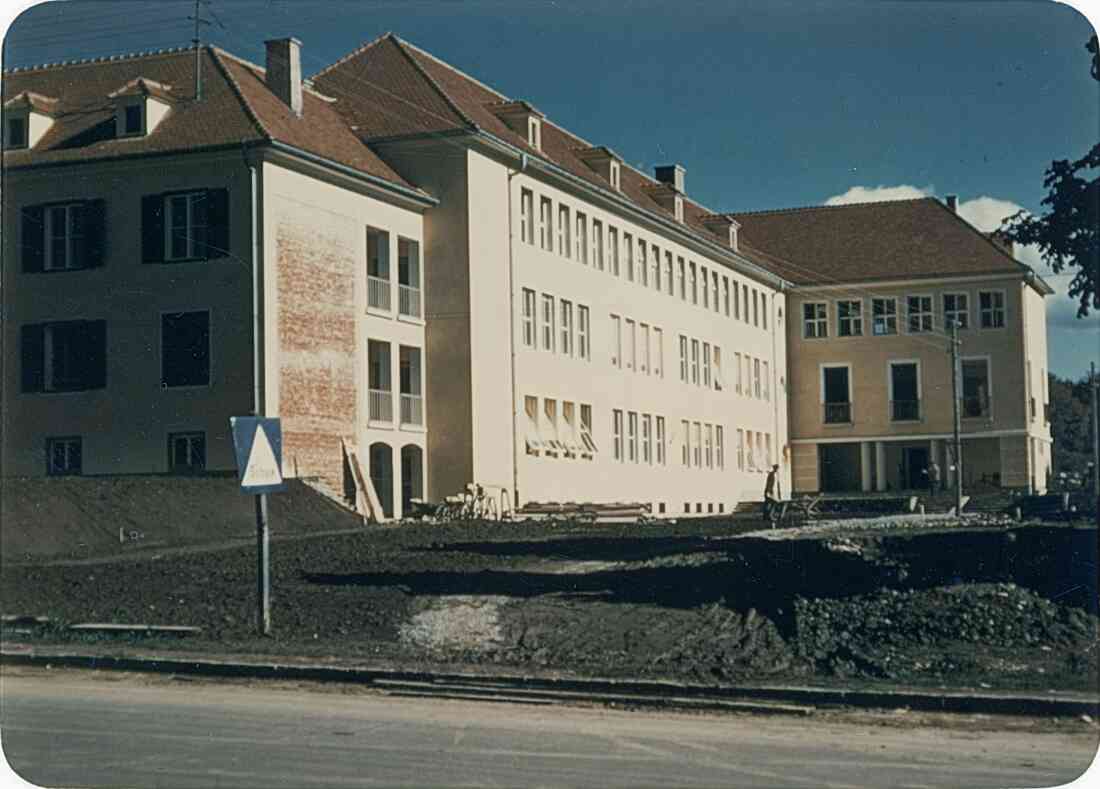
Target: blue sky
x=767 y=104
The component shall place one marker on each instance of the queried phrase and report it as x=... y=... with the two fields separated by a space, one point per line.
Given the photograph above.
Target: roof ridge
x=985 y=236
x=355 y=52
x=445 y=64
x=401 y=44
x=306 y=86
x=97 y=60
x=217 y=52
x=796 y=209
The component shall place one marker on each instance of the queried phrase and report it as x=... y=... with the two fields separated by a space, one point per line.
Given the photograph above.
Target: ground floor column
x=935 y=456
x=880 y=466
x=865 y=466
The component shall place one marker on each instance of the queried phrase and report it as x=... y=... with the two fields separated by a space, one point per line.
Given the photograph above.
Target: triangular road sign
x=262 y=468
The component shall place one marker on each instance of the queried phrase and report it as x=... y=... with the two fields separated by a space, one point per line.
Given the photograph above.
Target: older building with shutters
x=136 y=211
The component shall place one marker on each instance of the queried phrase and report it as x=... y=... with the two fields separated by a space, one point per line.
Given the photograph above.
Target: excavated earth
x=916 y=601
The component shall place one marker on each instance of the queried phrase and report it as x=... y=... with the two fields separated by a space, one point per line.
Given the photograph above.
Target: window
x=708 y=443
x=706 y=286
x=904 y=392
x=526 y=216
x=643 y=269
x=756 y=378
x=836 y=394
x=133 y=121
x=719 y=384
x=547 y=322
x=919 y=311
x=736 y=301
x=644 y=330
x=683 y=358
x=767 y=391
x=956 y=310
x=587 y=443
x=726 y=294
x=656 y=263
x=815 y=320
x=185 y=349
x=849 y=318
x=584 y=347
x=884 y=317
x=566 y=327
x=678 y=208
x=685 y=443
x=740 y=449
x=659 y=441
x=379 y=382
x=533 y=439
x=64 y=456
x=628 y=256
x=568 y=432
x=408 y=278
x=737 y=364
x=546 y=224
x=529 y=318
x=64 y=356
x=745 y=301
x=582 y=238
x=694 y=284
x=750 y=454
x=668 y=273
x=410 y=389
x=768 y=449
x=992 y=306
x=534 y=133
x=614 y=175
x=549 y=429
x=63 y=237
x=697 y=445
x=632 y=436
x=563 y=231
x=378 y=269
x=756 y=308
x=706 y=365
x=681 y=279
x=616 y=341
x=748 y=375
x=658 y=352
x=975 y=386
x=714 y=290
x=185 y=226
x=647 y=437
x=631 y=345
x=186 y=451
x=613 y=249
x=719 y=447
x=17 y=133
x=597 y=244
x=763 y=310
x=695 y=362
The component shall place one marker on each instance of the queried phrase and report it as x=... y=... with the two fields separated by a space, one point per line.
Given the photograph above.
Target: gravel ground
x=933 y=602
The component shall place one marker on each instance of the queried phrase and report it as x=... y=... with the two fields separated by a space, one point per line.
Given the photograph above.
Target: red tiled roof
x=236 y=108
x=390 y=88
x=901 y=239
x=37 y=102
x=141 y=86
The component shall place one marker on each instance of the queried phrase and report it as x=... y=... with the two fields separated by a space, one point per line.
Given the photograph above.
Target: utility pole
x=1094 y=388
x=956 y=396
x=198 y=50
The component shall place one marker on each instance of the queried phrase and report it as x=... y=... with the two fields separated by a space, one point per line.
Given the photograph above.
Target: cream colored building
x=877 y=289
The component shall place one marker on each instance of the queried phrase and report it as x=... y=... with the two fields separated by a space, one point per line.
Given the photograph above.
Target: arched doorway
x=412 y=475
x=381 y=475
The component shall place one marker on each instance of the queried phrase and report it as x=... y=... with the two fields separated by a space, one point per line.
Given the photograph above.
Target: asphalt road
x=70 y=728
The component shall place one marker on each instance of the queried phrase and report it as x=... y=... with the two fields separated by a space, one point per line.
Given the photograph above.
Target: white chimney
x=284 y=71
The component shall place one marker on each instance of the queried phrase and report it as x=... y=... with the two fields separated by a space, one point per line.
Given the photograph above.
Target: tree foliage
x=1070 y=423
x=1068 y=234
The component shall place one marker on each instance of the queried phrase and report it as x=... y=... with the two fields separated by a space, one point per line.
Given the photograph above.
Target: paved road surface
x=68 y=728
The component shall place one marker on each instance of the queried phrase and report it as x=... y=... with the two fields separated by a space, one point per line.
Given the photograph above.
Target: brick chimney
x=671 y=174
x=284 y=71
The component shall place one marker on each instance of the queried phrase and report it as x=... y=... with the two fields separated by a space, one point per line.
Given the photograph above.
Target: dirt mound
x=900 y=634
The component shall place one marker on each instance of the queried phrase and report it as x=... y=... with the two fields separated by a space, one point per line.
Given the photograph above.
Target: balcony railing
x=380 y=405
x=412 y=409
x=408 y=301
x=378 y=293
x=975 y=407
x=838 y=413
x=905 y=410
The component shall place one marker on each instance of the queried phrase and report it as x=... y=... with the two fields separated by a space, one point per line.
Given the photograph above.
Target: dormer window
x=534 y=132
x=140 y=105
x=615 y=182
x=133 y=120
x=679 y=208
x=16 y=133
x=605 y=162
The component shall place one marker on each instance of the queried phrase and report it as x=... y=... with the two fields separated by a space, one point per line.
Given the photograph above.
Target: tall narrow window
x=737 y=364
x=628 y=256
x=582 y=238
x=410 y=381
x=740 y=449
x=632 y=436
x=719 y=384
x=378 y=269
x=616 y=341
x=546 y=224
x=655 y=264
x=584 y=347
x=566 y=327
x=644 y=341
x=975 y=385
x=643 y=269
x=755 y=308
x=695 y=362
x=703 y=275
x=697 y=445
x=694 y=283
x=726 y=295
x=659 y=441
x=714 y=290
x=587 y=442
x=767 y=391
x=597 y=244
x=706 y=365
x=708 y=445
x=631 y=347
x=683 y=358
x=564 y=248
x=919 y=311
x=668 y=273
x=756 y=378
x=64 y=237
x=617 y=434
x=763 y=310
x=849 y=318
x=658 y=352
x=408 y=278
x=736 y=301
x=613 y=249
x=685 y=443
x=681 y=278
x=992 y=307
x=529 y=318
x=547 y=322
x=745 y=303
x=526 y=216
x=379 y=382
x=719 y=447
x=647 y=439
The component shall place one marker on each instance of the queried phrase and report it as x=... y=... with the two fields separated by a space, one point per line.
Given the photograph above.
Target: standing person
x=934 y=478
x=772 y=494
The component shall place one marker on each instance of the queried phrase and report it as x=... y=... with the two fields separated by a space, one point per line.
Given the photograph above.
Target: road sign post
x=258 y=442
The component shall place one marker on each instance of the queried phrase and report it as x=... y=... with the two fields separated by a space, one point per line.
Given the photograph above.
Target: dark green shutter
x=94 y=218
x=34 y=354
x=34 y=238
x=152 y=229
x=217 y=241
x=95 y=337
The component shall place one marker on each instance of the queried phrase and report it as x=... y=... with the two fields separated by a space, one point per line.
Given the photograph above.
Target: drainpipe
x=775 y=391
x=257 y=312
x=512 y=333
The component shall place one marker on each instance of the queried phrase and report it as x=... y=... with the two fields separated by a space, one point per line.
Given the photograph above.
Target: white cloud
x=987 y=213
x=876 y=194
